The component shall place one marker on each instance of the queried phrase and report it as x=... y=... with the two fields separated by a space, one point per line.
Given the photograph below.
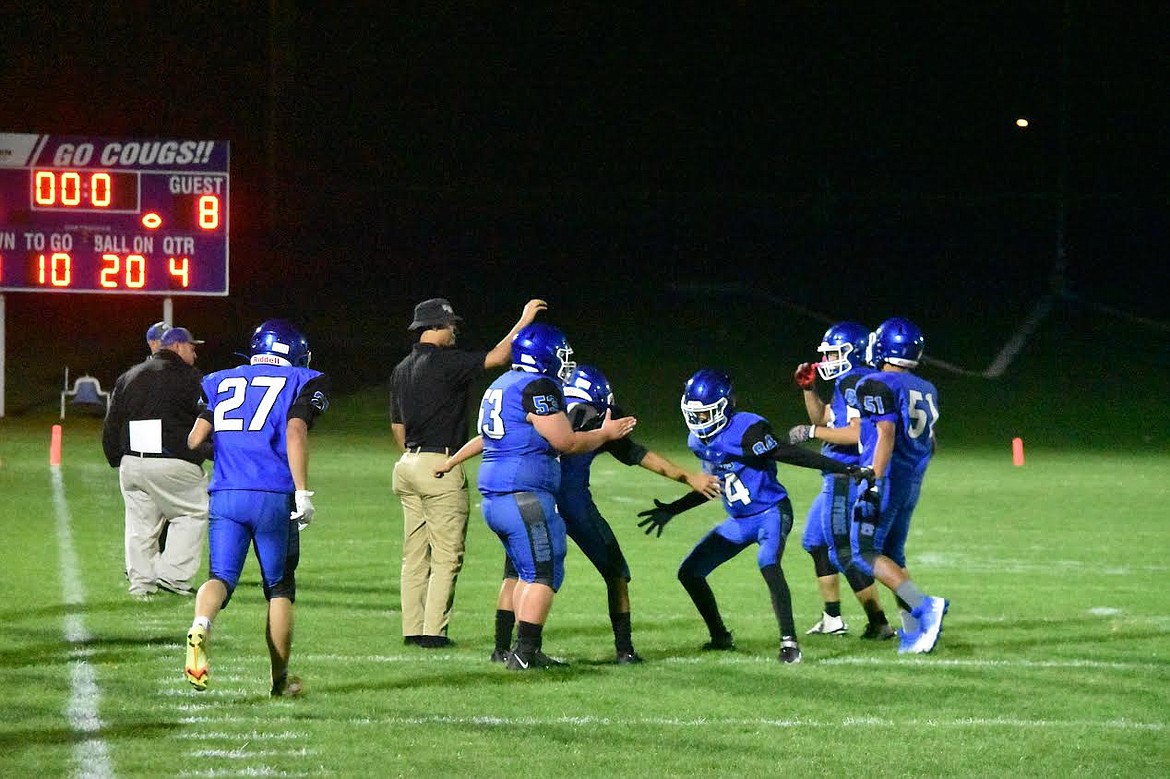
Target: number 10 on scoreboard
x=56 y=270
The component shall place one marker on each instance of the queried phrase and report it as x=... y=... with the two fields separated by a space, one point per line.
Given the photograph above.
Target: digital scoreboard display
x=116 y=216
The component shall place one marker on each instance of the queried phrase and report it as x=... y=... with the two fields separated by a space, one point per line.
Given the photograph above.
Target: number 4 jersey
x=738 y=455
x=249 y=408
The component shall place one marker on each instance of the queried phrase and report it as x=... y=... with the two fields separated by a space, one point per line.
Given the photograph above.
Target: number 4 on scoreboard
x=180 y=271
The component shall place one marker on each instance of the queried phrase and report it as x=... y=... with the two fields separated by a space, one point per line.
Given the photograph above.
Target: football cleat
x=829 y=626
x=197 y=667
x=500 y=655
x=532 y=661
x=287 y=687
x=930 y=624
x=722 y=643
x=628 y=658
x=790 y=651
x=874 y=632
x=909 y=622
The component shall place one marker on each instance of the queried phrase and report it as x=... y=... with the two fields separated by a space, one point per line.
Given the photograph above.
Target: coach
x=152 y=409
x=429 y=419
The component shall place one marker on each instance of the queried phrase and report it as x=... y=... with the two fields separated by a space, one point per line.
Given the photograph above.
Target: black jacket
x=161 y=387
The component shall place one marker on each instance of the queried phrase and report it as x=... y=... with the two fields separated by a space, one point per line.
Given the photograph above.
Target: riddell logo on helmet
x=268 y=359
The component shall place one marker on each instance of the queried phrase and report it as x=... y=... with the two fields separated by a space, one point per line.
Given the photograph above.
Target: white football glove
x=802 y=433
x=304 y=513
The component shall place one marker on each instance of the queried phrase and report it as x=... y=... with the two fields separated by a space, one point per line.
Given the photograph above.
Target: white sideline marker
x=91 y=757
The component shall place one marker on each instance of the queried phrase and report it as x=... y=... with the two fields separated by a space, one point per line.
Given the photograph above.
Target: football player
x=898 y=413
x=523 y=429
x=260 y=415
x=739 y=448
x=826 y=533
x=589 y=395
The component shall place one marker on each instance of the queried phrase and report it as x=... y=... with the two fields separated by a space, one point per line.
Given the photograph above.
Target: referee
x=429 y=405
x=152 y=409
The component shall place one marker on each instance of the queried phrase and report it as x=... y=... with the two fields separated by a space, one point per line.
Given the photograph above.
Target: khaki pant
x=157 y=491
x=434 y=513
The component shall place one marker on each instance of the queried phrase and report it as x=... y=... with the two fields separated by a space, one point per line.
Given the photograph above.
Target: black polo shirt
x=429 y=395
x=161 y=387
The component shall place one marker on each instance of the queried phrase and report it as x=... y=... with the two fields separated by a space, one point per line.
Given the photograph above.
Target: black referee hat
x=436 y=312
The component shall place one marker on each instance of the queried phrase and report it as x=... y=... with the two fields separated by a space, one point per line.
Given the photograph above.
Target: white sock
x=202 y=622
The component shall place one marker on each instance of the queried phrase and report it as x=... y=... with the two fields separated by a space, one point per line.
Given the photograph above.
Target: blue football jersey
x=911 y=403
x=516 y=458
x=842 y=406
x=249 y=407
x=738 y=456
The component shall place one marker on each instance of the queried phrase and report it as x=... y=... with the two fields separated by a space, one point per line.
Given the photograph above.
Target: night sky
x=387 y=152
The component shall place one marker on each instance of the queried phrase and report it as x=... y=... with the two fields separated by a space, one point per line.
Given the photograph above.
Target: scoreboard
x=113 y=216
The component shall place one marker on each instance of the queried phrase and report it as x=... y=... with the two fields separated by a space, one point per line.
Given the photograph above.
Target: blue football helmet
x=542 y=348
x=278 y=342
x=708 y=401
x=842 y=349
x=587 y=384
x=897 y=341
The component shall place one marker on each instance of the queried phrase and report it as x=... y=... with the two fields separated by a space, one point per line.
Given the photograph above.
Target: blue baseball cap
x=179 y=335
x=155 y=331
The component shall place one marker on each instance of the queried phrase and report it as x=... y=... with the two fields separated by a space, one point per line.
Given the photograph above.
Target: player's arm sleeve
x=686 y=503
x=762 y=442
x=312 y=401
x=626 y=450
x=806 y=458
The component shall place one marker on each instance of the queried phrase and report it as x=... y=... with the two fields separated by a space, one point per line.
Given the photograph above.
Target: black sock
x=528 y=638
x=505 y=621
x=781 y=598
x=833 y=608
x=873 y=611
x=704 y=600
x=622 y=638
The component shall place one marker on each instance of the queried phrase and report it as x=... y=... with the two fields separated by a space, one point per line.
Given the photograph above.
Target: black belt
x=149 y=454
x=428 y=449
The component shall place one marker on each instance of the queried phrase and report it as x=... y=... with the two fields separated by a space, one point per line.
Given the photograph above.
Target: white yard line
x=761 y=722
x=92 y=755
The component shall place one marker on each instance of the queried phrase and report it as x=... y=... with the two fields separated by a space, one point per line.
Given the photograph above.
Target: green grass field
x=1055 y=660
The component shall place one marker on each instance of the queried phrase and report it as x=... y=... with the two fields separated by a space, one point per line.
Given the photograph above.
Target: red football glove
x=805 y=375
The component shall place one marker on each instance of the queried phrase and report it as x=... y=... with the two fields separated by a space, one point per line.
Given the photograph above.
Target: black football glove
x=656 y=517
x=872 y=501
x=862 y=474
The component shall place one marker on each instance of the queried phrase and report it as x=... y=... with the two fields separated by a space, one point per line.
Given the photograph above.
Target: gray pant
x=157 y=491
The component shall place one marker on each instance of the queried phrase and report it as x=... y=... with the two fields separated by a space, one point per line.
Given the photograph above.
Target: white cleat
x=829 y=626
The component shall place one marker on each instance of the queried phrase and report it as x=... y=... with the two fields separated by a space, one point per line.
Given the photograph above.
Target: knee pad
x=858 y=580
x=821 y=562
